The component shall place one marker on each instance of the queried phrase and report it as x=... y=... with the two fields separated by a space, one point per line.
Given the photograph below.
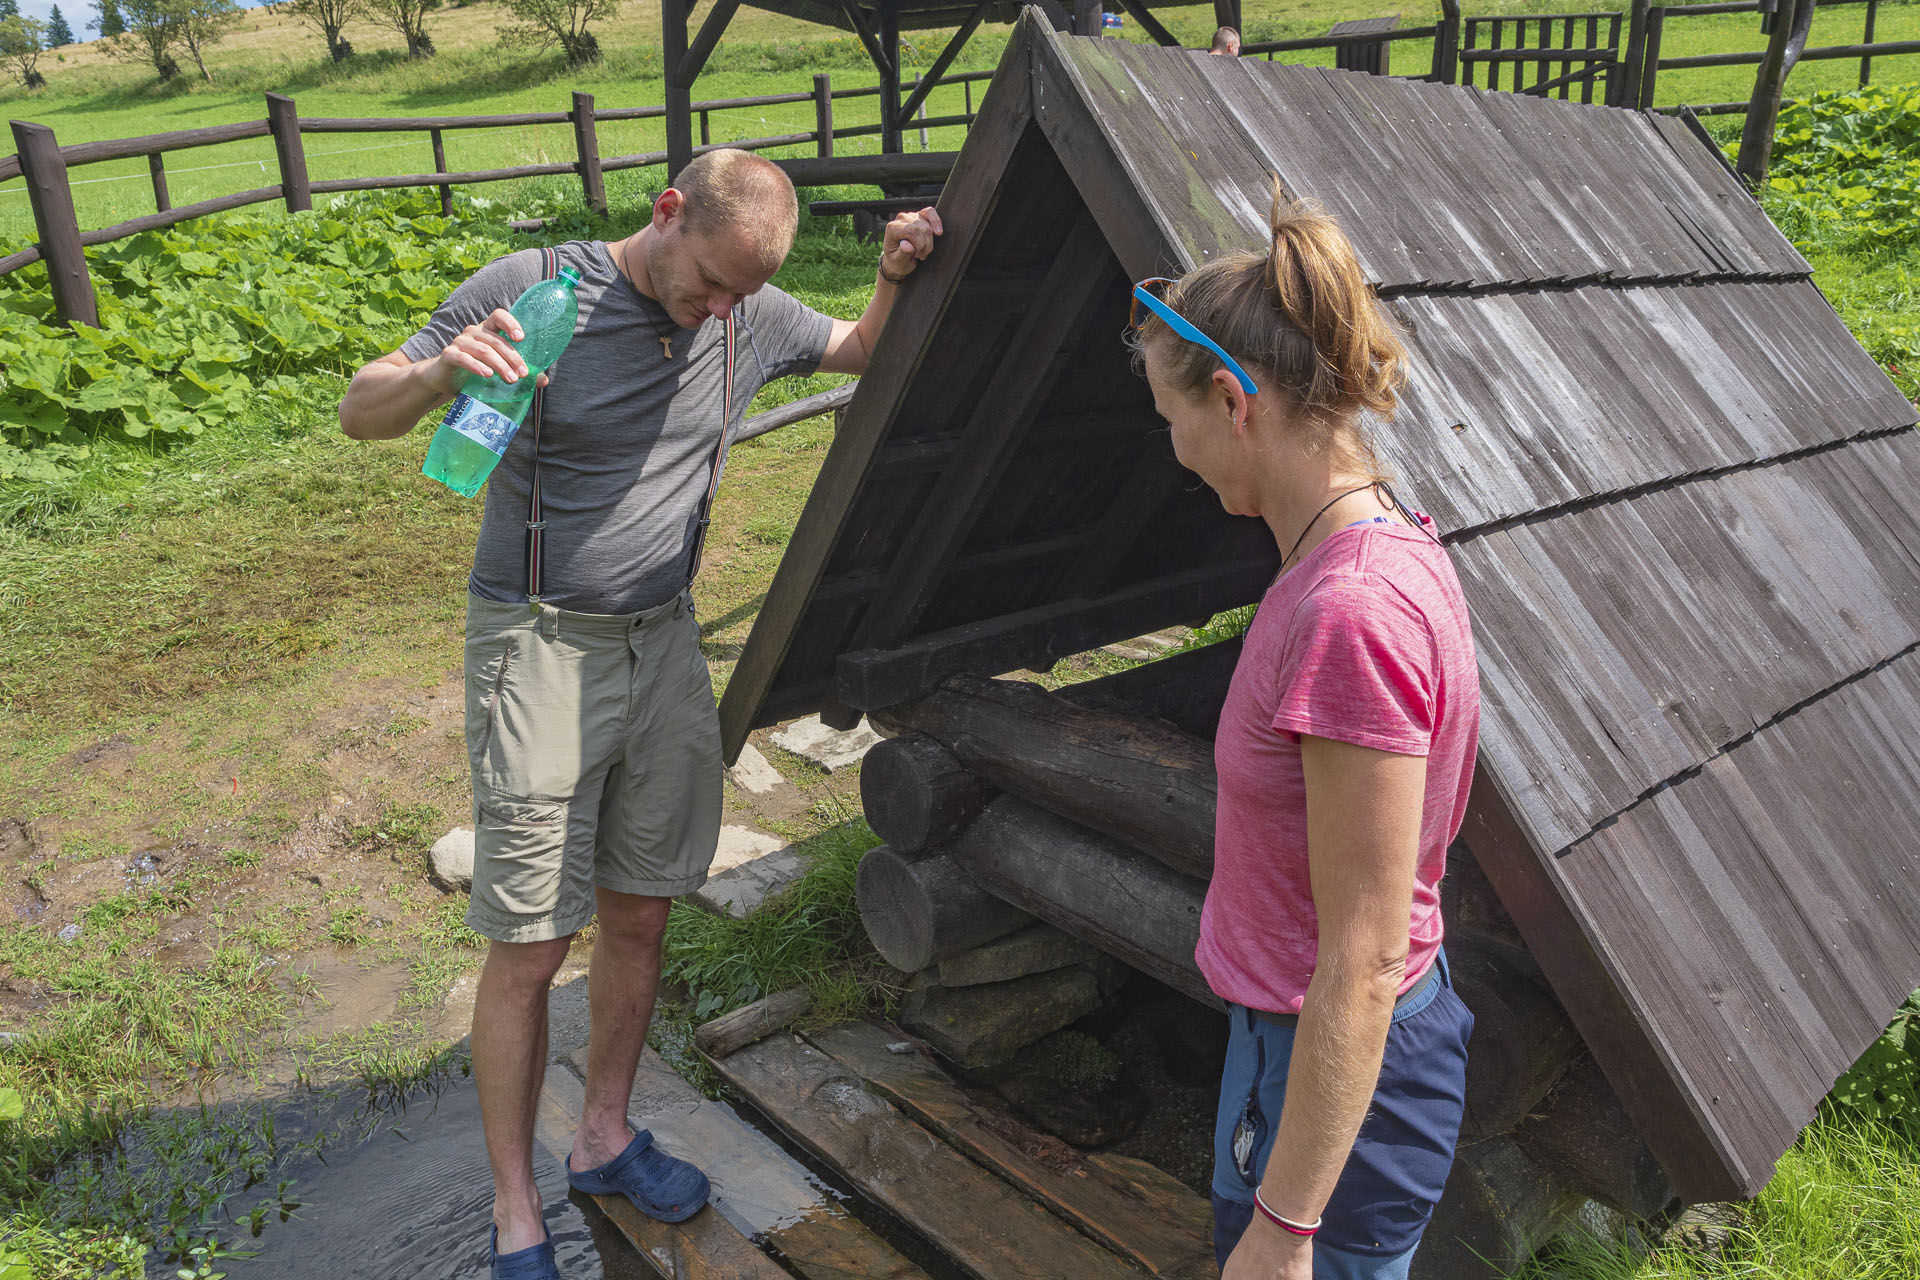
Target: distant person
x=1226 y=43
x=1345 y=753
x=591 y=730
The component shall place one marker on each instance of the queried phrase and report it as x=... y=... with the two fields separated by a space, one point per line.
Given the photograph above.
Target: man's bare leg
x=509 y=1066
x=621 y=985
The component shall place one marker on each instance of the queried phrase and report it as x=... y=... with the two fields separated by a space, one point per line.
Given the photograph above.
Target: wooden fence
x=1659 y=15
x=44 y=164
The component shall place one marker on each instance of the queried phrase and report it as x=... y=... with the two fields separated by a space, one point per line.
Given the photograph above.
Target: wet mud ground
x=408 y=1194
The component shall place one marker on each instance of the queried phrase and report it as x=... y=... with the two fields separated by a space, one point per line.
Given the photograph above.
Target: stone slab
x=831 y=749
x=741 y=845
x=1037 y=948
x=752 y=774
x=746 y=887
x=985 y=1025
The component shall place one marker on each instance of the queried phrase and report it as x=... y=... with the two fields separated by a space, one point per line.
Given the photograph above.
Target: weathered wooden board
x=758 y=1190
x=1127 y=1205
x=987 y=1227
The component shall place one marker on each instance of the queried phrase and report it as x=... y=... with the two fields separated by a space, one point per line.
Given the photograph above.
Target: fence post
x=1650 y=69
x=440 y=166
x=157 y=166
x=1866 y=63
x=284 y=121
x=587 y=142
x=823 y=113
x=45 y=171
x=1446 y=43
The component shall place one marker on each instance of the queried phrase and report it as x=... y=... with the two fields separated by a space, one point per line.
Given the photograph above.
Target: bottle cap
x=571 y=276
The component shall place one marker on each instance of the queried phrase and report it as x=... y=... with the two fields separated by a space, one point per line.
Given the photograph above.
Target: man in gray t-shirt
x=591 y=731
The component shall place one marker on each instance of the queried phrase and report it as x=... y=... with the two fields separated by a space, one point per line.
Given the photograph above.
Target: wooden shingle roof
x=1678 y=493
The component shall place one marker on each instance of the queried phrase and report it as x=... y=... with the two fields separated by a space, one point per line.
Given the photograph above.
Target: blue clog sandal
x=534 y=1263
x=659 y=1185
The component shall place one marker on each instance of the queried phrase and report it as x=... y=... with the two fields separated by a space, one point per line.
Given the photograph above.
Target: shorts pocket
x=519 y=849
x=485 y=687
x=1251 y=1133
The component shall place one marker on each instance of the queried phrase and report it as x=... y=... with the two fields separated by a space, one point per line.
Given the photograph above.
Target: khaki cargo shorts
x=595 y=750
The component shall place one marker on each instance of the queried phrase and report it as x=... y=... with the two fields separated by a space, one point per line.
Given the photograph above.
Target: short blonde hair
x=738 y=190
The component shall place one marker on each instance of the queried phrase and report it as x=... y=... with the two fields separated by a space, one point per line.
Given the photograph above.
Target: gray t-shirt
x=627 y=435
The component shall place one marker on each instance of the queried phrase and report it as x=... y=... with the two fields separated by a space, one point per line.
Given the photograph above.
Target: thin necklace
x=1345 y=493
x=626 y=265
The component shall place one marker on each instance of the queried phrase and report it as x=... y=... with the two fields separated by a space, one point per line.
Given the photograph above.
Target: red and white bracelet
x=1284 y=1223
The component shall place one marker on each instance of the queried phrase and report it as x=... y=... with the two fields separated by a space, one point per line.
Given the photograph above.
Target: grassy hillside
x=89 y=97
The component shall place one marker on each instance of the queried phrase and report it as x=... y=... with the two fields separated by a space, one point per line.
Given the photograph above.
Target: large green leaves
x=195 y=319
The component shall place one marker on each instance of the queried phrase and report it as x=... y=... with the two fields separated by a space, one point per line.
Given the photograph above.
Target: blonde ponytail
x=1303 y=320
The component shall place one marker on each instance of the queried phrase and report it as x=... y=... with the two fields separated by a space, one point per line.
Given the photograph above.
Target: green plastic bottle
x=482 y=419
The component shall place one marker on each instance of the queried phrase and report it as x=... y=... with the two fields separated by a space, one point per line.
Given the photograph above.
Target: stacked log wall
x=1092 y=810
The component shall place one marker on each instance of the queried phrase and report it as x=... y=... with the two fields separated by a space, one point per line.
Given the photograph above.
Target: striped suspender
x=719 y=460
x=536 y=518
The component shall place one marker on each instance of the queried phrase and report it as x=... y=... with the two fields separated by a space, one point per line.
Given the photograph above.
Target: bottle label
x=481 y=423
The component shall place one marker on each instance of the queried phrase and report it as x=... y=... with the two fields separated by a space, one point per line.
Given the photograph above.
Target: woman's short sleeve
x=1359 y=665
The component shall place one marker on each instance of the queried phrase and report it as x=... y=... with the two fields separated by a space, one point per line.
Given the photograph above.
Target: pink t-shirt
x=1366 y=640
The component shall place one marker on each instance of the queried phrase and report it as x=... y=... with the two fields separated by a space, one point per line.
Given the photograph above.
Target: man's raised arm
x=388 y=396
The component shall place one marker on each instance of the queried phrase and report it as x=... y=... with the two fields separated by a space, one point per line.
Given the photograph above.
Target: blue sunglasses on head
x=1145 y=293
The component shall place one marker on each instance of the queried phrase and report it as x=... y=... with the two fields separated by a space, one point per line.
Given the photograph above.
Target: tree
x=545 y=23
x=201 y=24
x=21 y=42
x=328 y=17
x=58 y=32
x=1787 y=37
x=149 y=33
x=409 y=18
x=111 y=24
x=9 y=9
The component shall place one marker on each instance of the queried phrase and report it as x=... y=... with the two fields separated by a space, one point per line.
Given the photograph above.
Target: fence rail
x=44 y=164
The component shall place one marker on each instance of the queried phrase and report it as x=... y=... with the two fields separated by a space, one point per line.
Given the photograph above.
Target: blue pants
x=1400 y=1160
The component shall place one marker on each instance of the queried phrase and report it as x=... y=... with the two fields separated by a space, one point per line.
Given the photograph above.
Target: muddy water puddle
x=412 y=1199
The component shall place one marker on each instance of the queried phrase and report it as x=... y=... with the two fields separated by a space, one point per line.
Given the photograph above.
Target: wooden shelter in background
x=1677 y=492
x=878 y=25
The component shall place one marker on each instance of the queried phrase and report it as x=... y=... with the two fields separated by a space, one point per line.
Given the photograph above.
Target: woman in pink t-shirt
x=1345 y=753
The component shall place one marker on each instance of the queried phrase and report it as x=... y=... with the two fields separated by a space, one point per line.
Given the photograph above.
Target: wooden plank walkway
x=990 y=1228
x=759 y=1192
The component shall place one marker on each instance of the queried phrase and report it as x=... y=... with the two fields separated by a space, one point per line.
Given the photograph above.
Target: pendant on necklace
x=666 y=346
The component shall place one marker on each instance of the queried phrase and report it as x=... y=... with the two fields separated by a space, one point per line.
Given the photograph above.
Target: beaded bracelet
x=1285 y=1224
x=890 y=280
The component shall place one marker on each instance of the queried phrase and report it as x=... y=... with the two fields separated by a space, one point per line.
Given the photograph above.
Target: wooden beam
x=679 y=104
x=979 y=181
x=1130 y=906
x=931 y=76
x=874 y=678
x=890 y=129
x=920 y=908
x=1056 y=14
x=865 y=33
x=998 y=426
x=694 y=60
x=1150 y=24
x=875 y=170
x=1136 y=780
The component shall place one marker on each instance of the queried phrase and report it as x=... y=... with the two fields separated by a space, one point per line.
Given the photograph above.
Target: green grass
x=1844 y=1204
x=810 y=936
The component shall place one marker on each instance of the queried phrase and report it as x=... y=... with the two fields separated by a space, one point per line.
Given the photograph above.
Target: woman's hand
x=1265 y=1252
x=483 y=349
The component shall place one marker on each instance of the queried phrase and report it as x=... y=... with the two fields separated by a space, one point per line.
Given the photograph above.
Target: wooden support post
x=440 y=166
x=673 y=49
x=1226 y=13
x=890 y=77
x=45 y=171
x=706 y=130
x=1866 y=61
x=925 y=86
x=1446 y=43
x=823 y=114
x=284 y=121
x=1623 y=87
x=1088 y=16
x=157 y=167
x=586 y=142
x=1650 y=68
